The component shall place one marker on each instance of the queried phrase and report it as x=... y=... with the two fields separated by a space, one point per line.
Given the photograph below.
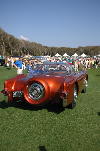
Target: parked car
x=47 y=82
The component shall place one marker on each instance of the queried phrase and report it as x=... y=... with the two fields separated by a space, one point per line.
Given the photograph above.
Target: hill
x=9 y=45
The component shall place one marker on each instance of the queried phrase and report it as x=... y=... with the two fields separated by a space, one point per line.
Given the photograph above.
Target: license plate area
x=17 y=94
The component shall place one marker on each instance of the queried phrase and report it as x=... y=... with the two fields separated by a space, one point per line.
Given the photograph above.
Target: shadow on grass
x=56 y=108
x=42 y=148
x=8 y=68
x=99 y=113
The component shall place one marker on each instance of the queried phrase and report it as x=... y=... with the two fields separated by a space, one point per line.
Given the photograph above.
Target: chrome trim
x=85 y=82
x=36 y=91
x=75 y=94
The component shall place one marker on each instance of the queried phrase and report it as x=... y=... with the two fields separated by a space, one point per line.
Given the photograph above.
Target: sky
x=53 y=23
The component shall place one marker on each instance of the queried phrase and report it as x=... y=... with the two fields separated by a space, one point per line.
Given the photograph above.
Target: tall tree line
x=9 y=45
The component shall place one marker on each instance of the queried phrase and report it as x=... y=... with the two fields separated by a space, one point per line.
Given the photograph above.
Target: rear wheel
x=73 y=103
x=36 y=92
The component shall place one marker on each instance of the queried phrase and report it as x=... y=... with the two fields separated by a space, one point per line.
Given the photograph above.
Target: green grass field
x=50 y=127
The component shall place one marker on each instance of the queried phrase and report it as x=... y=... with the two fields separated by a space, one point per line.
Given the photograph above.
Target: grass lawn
x=51 y=128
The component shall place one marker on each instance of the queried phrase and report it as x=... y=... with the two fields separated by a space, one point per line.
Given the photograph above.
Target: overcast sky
x=54 y=23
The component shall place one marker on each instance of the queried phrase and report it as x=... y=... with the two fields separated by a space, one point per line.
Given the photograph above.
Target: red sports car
x=55 y=82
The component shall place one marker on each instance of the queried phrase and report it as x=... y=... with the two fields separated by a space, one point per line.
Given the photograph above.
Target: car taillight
x=4 y=92
x=63 y=95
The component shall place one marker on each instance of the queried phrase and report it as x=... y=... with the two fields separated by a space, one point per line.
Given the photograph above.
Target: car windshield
x=51 y=67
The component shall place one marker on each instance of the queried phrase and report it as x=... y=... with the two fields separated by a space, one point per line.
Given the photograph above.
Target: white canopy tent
x=83 y=55
x=75 y=55
x=65 y=55
x=57 y=55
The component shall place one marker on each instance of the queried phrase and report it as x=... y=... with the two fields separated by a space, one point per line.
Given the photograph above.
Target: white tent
x=83 y=55
x=65 y=55
x=99 y=55
x=75 y=55
x=57 y=55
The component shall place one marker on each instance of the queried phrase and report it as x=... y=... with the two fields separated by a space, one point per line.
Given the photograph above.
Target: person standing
x=23 y=65
x=86 y=62
x=84 y=65
x=76 y=65
x=11 y=63
x=8 y=61
x=18 y=65
x=97 y=63
x=29 y=66
x=73 y=64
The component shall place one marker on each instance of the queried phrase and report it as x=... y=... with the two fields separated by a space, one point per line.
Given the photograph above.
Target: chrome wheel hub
x=36 y=91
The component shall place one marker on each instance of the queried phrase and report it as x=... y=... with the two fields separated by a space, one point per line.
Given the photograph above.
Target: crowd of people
x=85 y=63
x=80 y=63
x=77 y=63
